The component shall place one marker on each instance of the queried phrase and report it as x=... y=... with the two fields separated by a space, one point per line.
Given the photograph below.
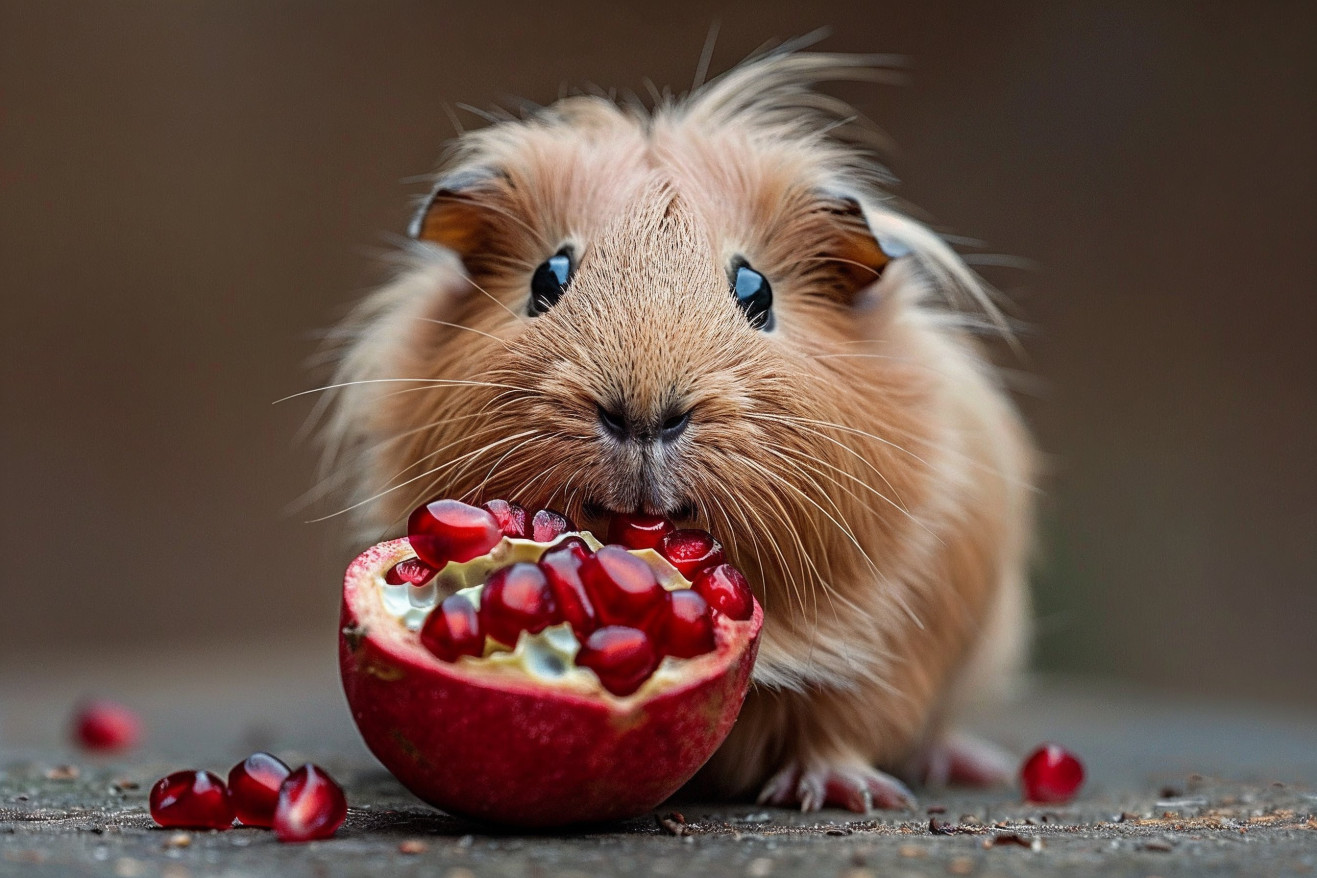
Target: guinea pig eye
x=550 y=281
x=754 y=295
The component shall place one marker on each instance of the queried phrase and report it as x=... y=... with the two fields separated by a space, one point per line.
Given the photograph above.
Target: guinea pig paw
x=963 y=760
x=857 y=788
x=781 y=787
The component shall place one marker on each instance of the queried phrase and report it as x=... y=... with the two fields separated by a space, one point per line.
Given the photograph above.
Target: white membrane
x=547 y=657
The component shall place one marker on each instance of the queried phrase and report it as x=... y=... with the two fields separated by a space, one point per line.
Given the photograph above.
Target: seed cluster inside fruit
x=529 y=591
x=301 y=805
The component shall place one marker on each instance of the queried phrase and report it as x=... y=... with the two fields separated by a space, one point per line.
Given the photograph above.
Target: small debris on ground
x=671 y=825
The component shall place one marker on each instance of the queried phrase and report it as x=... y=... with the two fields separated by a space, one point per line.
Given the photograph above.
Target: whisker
x=899 y=507
x=393 y=488
x=791 y=421
x=495 y=299
x=463 y=326
x=434 y=382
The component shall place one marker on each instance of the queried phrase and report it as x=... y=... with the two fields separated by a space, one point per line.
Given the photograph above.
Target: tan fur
x=861 y=461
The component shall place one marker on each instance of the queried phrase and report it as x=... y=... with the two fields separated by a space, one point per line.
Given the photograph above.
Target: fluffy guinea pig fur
x=711 y=310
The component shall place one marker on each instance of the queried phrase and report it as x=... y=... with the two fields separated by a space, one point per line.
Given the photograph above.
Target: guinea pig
x=711 y=310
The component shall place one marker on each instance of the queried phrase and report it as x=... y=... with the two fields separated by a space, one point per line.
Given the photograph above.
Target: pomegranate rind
x=503 y=748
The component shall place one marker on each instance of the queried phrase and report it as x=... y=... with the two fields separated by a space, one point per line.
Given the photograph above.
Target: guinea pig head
x=637 y=369
x=686 y=312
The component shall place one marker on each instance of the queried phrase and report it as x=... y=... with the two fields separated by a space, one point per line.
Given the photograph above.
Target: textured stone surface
x=1175 y=789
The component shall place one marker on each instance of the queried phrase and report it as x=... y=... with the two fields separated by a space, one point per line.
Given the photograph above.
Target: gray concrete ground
x=1175 y=788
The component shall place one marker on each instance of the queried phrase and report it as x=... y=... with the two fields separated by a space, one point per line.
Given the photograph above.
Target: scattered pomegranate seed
x=687 y=627
x=412 y=571
x=453 y=629
x=448 y=530
x=622 y=588
x=638 y=531
x=106 y=726
x=516 y=599
x=690 y=551
x=511 y=518
x=622 y=657
x=561 y=566
x=310 y=806
x=191 y=800
x=549 y=524
x=254 y=788
x=1051 y=774
x=727 y=591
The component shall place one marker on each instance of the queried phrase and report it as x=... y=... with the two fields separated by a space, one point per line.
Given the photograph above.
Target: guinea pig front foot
x=854 y=786
x=958 y=759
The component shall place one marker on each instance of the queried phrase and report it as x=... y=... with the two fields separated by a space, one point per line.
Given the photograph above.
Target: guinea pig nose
x=614 y=423
x=674 y=424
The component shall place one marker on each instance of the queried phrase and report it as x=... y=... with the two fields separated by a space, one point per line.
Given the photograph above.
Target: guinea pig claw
x=861 y=789
x=857 y=788
x=781 y=787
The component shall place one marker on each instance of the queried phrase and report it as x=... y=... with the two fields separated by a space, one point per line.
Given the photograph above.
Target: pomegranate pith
x=448 y=530
x=453 y=629
x=412 y=571
x=511 y=517
x=691 y=551
x=1051 y=774
x=517 y=599
x=549 y=524
x=638 y=531
x=254 y=788
x=687 y=627
x=622 y=587
x=191 y=800
x=106 y=726
x=561 y=566
x=726 y=589
x=622 y=657
x=310 y=806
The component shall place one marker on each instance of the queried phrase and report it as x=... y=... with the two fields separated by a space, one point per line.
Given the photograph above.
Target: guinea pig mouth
x=598 y=512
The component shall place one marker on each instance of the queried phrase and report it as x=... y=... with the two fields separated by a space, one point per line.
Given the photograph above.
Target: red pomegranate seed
x=106 y=726
x=516 y=599
x=549 y=524
x=727 y=591
x=191 y=800
x=447 y=530
x=511 y=518
x=580 y=548
x=690 y=551
x=623 y=658
x=453 y=629
x=622 y=588
x=310 y=806
x=412 y=571
x=561 y=566
x=687 y=628
x=1051 y=774
x=254 y=788
x=638 y=531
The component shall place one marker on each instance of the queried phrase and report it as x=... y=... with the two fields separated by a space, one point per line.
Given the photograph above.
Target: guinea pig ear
x=451 y=215
x=861 y=255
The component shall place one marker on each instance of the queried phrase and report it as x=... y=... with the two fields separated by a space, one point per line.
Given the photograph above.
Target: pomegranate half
x=526 y=736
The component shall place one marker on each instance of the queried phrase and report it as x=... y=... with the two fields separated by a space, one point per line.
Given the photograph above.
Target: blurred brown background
x=190 y=192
